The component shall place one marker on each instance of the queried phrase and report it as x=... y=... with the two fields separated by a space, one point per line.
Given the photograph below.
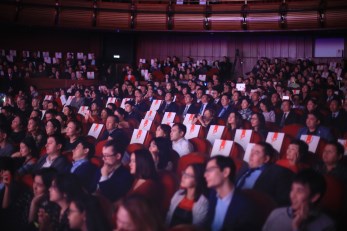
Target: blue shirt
x=221 y=211
x=249 y=178
x=76 y=164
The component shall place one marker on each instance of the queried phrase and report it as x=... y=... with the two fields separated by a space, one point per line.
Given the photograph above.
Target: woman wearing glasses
x=189 y=205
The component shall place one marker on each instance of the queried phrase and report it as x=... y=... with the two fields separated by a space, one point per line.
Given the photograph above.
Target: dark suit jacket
x=241 y=214
x=143 y=106
x=321 y=131
x=115 y=187
x=339 y=123
x=171 y=108
x=276 y=182
x=134 y=115
x=85 y=173
x=61 y=164
x=290 y=119
x=226 y=113
x=208 y=106
x=193 y=109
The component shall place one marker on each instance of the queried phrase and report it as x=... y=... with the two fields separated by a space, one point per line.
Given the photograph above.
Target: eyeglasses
x=184 y=174
x=106 y=156
x=210 y=169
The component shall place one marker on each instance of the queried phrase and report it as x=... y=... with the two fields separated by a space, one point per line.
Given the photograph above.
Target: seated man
x=54 y=158
x=229 y=209
x=168 y=105
x=81 y=166
x=179 y=143
x=131 y=112
x=288 y=116
x=225 y=108
x=337 y=117
x=308 y=188
x=113 y=180
x=112 y=130
x=263 y=175
x=331 y=163
x=190 y=107
x=313 y=127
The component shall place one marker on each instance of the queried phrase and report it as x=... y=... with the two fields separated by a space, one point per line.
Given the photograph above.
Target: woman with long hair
x=258 y=124
x=189 y=205
x=234 y=122
x=145 y=175
x=160 y=149
x=53 y=127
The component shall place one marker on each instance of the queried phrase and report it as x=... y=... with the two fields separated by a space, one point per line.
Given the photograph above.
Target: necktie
x=221 y=113
x=166 y=106
x=185 y=110
x=202 y=109
x=245 y=176
x=283 y=119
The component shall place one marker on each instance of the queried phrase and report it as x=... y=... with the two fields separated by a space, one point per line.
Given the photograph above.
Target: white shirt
x=182 y=146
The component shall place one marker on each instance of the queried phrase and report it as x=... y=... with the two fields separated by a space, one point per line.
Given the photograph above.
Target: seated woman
x=234 y=122
x=92 y=116
x=189 y=204
x=258 y=124
x=105 y=112
x=64 y=189
x=143 y=169
x=268 y=114
x=18 y=126
x=296 y=156
x=73 y=134
x=78 y=100
x=53 y=127
x=135 y=213
x=120 y=112
x=27 y=156
x=61 y=117
x=86 y=214
x=34 y=130
x=69 y=112
x=163 y=130
x=160 y=148
x=245 y=111
x=207 y=119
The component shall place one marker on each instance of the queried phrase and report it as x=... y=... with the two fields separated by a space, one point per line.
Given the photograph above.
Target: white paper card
x=150 y=115
x=13 y=52
x=344 y=144
x=179 y=2
x=90 y=56
x=248 y=152
x=311 y=141
x=45 y=54
x=222 y=147
x=155 y=105
x=58 y=55
x=95 y=130
x=63 y=99
x=90 y=75
x=215 y=132
x=243 y=137
x=192 y=131
x=80 y=55
x=43 y=114
x=68 y=102
x=47 y=60
x=168 y=117
x=83 y=110
x=276 y=140
x=188 y=119
x=122 y=105
x=146 y=124
x=202 y=77
x=9 y=58
x=111 y=100
x=138 y=136
x=48 y=97
x=241 y=86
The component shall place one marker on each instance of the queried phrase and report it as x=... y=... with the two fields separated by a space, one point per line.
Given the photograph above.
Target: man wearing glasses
x=229 y=209
x=113 y=180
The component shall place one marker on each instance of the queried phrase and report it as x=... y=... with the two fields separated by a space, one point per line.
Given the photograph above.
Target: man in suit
x=225 y=109
x=288 y=116
x=229 y=208
x=81 y=166
x=131 y=112
x=204 y=104
x=54 y=158
x=263 y=175
x=168 y=105
x=112 y=129
x=190 y=107
x=113 y=180
x=337 y=117
x=140 y=105
x=313 y=127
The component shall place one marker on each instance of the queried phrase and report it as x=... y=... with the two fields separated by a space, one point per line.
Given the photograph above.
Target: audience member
x=179 y=143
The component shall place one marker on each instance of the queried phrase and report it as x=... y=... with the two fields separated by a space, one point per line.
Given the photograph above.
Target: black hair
x=90 y=146
x=339 y=147
x=314 y=180
x=68 y=184
x=118 y=148
x=145 y=167
x=268 y=150
x=181 y=128
x=200 y=182
x=56 y=124
x=164 y=145
x=31 y=144
x=225 y=162
x=166 y=129
x=47 y=175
